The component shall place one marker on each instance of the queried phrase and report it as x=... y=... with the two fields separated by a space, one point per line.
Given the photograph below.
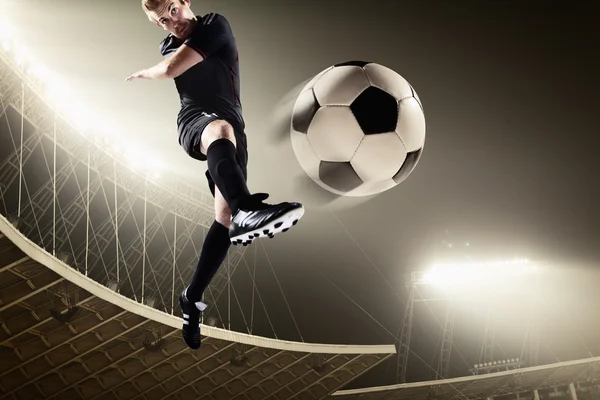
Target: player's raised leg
x=251 y=217
x=214 y=251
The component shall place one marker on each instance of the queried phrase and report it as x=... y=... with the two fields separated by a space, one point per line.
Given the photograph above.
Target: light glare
x=80 y=116
x=5 y=30
x=39 y=71
x=60 y=96
x=135 y=158
x=477 y=273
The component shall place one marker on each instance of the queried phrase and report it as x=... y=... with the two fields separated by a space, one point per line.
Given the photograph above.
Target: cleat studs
x=285 y=229
x=257 y=235
x=266 y=232
x=277 y=225
x=295 y=222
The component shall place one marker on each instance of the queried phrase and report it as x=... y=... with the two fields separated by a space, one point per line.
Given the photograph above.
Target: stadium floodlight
x=474 y=273
x=496 y=366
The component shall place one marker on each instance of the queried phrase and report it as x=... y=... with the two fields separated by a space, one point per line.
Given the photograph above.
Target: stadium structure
x=93 y=252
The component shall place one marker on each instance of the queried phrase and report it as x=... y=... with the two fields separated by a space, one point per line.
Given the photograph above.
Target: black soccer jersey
x=213 y=85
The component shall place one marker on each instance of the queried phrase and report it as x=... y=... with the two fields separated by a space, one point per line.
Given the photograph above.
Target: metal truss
x=405 y=335
x=59 y=341
x=443 y=367
x=489 y=340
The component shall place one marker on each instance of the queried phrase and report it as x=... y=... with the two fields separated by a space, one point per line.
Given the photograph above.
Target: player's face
x=176 y=18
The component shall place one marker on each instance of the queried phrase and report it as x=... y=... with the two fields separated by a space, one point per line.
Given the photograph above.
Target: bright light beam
x=60 y=95
x=447 y=275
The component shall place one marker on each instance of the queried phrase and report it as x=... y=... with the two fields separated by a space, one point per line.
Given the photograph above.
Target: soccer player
x=201 y=57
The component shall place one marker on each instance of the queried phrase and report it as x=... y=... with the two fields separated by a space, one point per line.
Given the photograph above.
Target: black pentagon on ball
x=376 y=111
x=339 y=176
x=355 y=63
x=408 y=165
x=305 y=109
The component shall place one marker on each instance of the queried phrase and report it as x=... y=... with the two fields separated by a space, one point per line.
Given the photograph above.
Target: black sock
x=214 y=251
x=226 y=172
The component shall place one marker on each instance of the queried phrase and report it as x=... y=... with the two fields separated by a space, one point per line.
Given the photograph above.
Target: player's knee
x=218 y=129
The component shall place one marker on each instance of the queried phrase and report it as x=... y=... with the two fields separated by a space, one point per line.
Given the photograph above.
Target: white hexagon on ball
x=358 y=129
x=334 y=134
x=342 y=86
x=379 y=157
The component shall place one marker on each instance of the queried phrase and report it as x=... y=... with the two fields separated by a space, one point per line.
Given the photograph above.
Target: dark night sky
x=510 y=161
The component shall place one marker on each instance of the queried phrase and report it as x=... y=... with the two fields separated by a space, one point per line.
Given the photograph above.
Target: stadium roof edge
x=43 y=257
x=460 y=379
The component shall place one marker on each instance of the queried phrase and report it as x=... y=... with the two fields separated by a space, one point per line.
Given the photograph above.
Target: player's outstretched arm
x=183 y=59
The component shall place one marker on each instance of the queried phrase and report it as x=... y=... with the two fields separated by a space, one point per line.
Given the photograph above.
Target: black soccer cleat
x=256 y=219
x=191 y=320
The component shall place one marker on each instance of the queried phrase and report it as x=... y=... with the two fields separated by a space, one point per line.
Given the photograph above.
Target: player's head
x=174 y=16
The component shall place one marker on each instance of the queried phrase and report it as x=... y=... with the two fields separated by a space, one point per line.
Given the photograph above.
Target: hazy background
x=510 y=161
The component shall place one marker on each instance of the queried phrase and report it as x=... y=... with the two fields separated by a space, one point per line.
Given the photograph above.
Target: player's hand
x=136 y=75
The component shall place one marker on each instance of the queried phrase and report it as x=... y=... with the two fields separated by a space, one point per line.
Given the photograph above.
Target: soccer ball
x=358 y=129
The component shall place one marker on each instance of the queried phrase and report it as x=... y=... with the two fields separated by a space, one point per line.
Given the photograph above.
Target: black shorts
x=190 y=130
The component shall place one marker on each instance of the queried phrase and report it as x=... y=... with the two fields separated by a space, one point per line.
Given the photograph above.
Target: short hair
x=152 y=5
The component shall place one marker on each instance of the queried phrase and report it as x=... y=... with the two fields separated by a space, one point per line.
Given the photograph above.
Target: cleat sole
x=281 y=224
